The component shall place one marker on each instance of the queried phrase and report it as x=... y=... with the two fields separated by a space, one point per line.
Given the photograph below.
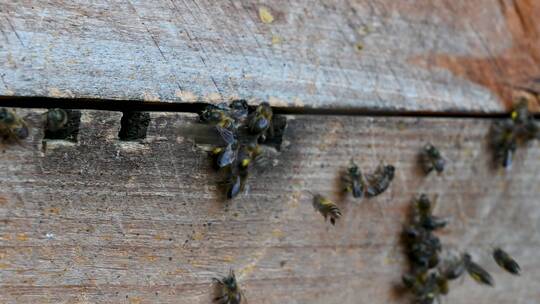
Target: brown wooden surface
x=423 y=55
x=103 y=221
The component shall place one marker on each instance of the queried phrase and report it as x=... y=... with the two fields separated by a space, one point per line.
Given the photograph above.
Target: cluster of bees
x=358 y=185
x=430 y=275
x=507 y=135
x=241 y=133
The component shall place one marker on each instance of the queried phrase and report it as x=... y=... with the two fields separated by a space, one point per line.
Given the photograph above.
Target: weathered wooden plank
x=421 y=55
x=123 y=222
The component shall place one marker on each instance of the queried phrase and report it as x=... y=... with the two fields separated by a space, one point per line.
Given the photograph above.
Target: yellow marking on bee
x=514 y=115
x=359 y=46
x=245 y=162
x=22 y=237
x=265 y=15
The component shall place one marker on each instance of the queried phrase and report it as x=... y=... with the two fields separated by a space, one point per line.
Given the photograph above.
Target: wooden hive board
x=104 y=221
x=431 y=56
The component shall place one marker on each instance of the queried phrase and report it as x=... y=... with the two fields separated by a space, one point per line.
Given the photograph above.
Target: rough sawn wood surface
x=424 y=55
x=103 y=221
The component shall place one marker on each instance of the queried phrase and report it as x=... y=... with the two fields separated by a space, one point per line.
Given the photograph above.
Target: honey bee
x=505 y=261
x=431 y=159
x=239 y=109
x=426 y=286
x=12 y=127
x=353 y=181
x=260 y=121
x=56 y=119
x=525 y=126
x=229 y=291
x=380 y=180
x=327 y=208
x=454 y=268
x=476 y=271
x=503 y=142
x=223 y=156
x=424 y=216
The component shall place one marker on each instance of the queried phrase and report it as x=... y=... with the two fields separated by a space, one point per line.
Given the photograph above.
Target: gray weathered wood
x=418 y=55
x=103 y=221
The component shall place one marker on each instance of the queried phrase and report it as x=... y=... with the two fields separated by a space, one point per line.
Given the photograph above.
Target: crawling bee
x=239 y=109
x=261 y=120
x=56 y=119
x=353 y=181
x=380 y=180
x=525 y=126
x=504 y=260
x=476 y=271
x=229 y=291
x=224 y=156
x=454 y=268
x=424 y=216
x=12 y=127
x=327 y=208
x=431 y=159
x=503 y=142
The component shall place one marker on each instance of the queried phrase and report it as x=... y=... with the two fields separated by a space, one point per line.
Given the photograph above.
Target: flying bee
x=353 y=181
x=506 y=262
x=431 y=159
x=12 y=127
x=476 y=271
x=380 y=180
x=56 y=119
x=327 y=208
x=229 y=291
x=260 y=121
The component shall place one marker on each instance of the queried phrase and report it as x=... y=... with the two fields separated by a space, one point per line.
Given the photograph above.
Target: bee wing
x=227 y=135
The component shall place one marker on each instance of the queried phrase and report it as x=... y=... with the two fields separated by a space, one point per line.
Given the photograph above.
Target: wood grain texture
x=103 y=221
x=419 y=55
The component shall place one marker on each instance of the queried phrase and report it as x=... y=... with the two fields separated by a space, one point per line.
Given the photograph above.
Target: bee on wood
x=260 y=121
x=454 y=268
x=503 y=142
x=56 y=119
x=476 y=271
x=380 y=180
x=505 y=261
x=327 y=208
x=239 y=109
x=229 y=291
x=353 y=181
x=235 y=185
x=424 y=216
x=12 y=127
x=525 y=126
x=223 y=156
x=431 y=159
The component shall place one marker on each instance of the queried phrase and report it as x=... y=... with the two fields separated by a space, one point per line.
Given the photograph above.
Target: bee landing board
x=107 y=221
